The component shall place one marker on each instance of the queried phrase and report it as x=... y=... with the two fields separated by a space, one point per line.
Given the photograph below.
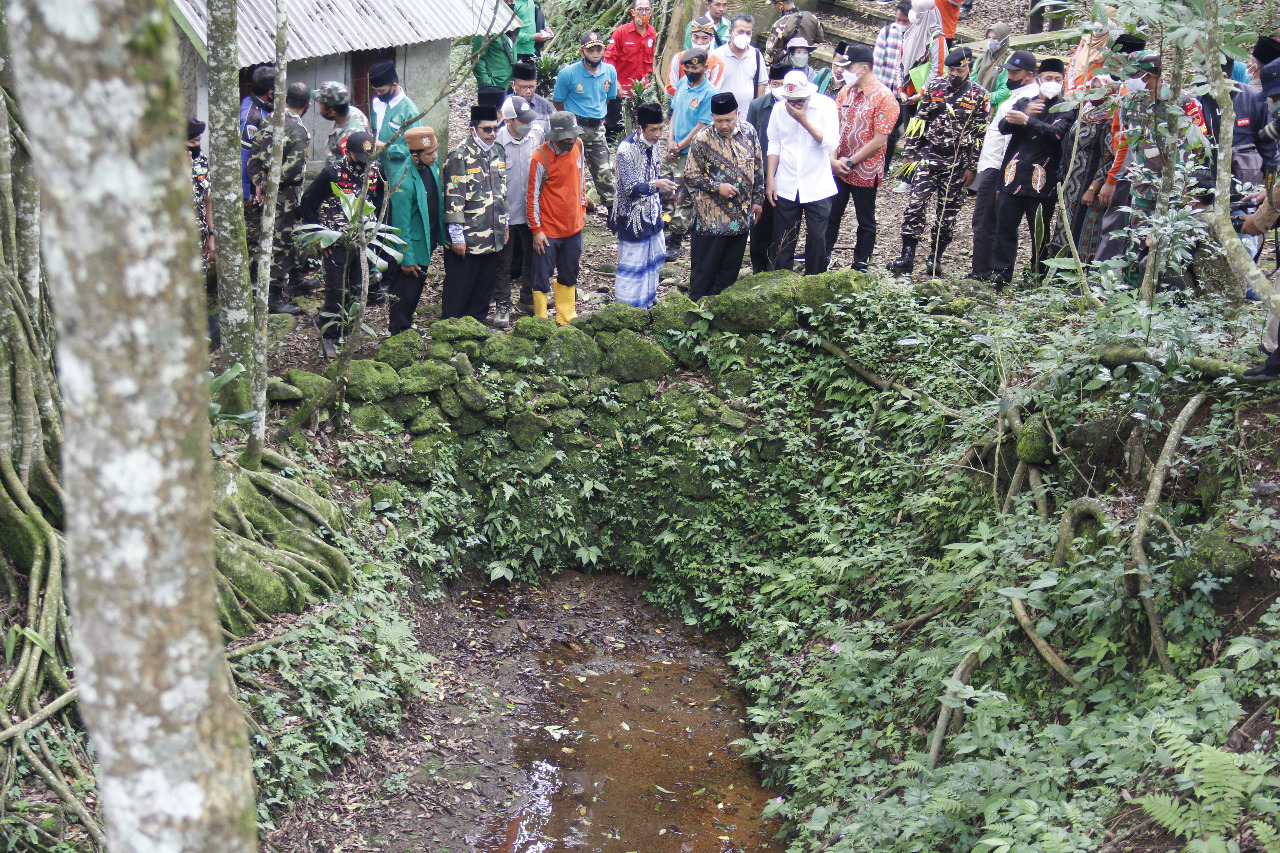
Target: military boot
x=933 y=265
x=277 y=304
x=907 y=260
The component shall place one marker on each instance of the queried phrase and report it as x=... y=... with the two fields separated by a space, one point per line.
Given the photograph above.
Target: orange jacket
x=557 y=201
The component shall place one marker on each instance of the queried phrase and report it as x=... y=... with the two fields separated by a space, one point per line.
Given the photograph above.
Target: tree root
x=1214 y=368
x=908 y=624
x=870 y=376
x=20 y=728
x=1019 y=475
x=961 y=673
x=1067 y=528
x=1046 y=651
x=1137 y=541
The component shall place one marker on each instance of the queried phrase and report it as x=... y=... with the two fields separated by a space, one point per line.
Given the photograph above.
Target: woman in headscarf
x=637 y=211
x=1083 y=152
x=1089 y=58
x=989 y=71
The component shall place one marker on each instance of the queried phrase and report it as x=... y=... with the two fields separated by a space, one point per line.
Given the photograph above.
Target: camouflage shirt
x=475 y=195
x=356 y=121
x=954 y=123
x=200 y=193
x=296 y=140
x=320 y=205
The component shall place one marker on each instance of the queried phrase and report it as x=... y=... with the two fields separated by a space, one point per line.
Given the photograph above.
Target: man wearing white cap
x=801 y=138
x=519 y=137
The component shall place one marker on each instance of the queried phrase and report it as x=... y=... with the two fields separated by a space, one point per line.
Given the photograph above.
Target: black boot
x=673 y=247
x=277 y=304
x=907 y=261
x=1268 y=371
x=933 y=266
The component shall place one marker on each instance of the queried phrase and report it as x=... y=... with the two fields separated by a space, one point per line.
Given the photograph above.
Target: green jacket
x=493 y=62
x=475 y=195
x=395 y=157
x=1001 y=92
x=526 y=11
x=409 y=213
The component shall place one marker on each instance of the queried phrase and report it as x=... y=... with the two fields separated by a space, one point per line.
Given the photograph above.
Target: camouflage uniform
x=475 y=213
x=955 y=120
x=200 y=197
x=284 y=251
x=335 y=94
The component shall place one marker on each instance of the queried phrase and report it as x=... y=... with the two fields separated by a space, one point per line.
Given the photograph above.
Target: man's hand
x=1016 y=117
x=259 y=196
x=1249 y=226
x=413 y=270
x=1089 y=197
x=756 y=210
x=771 y=191
x=540 y=243
x=1035 y=107
x=799 y=111
x=665 y=185
x=378 y=146
x=459 y=248
x=1257 y=197
x=672 y=151
x=840 y=166
x=969 y=176
x=1106 y=194
x=728 y=191
x=208 y=246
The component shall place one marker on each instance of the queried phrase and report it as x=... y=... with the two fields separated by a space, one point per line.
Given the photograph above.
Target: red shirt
x=632 y=54
x=862 y=116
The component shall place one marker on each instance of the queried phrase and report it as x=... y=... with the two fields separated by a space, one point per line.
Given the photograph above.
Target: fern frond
x=1172 y=815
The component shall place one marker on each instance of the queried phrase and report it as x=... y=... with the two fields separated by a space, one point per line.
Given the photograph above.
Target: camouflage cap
x=332 y=93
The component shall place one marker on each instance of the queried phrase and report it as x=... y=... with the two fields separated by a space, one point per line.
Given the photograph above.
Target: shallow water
x=633 y=754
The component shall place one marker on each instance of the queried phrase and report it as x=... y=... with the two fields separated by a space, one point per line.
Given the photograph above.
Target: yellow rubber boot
x=566 y=299
x=539 y=304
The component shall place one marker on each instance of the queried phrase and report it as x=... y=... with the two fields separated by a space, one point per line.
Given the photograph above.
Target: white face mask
x=850 y=79
x=777 y=93
x=1049 y=91
x=741 y=41
x=1135 y=84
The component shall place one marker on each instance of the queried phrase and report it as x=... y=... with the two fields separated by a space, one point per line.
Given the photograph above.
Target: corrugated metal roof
x=323 y=27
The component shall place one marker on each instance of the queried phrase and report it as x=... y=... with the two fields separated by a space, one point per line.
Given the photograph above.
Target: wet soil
x=574 y=716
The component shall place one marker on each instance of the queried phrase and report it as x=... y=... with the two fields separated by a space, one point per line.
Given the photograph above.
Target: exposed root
x=961 y=673
x=1070 y=524
x=1046 y=651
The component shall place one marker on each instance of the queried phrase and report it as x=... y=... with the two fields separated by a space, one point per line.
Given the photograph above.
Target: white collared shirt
x=380 y=110
x=742 y=74
x=995 y=142
x=804 y=166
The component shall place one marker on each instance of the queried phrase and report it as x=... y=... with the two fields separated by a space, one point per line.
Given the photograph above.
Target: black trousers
x=762 y=239
x=986 y=189
x=714 y=261
x=864 y=208
x=405 y=291
x=613 y=124
x=1013 y=209
x=786 y=231
x=468 y=283
x=341 y=291
x=520 y=245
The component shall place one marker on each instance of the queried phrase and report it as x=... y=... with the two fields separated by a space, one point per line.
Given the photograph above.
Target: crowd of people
x=754 y=143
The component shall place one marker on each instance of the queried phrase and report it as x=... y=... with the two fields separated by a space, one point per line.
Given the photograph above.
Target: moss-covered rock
x=468 y=423
x=527 y=429
x=431 y=419
x=449 y=402
x=601 y=385
x=462 y=363
x=427 y=376
x=731 y=419
x=368 y=380
x=423 y=458
x=402 y=350
x=384 y=496
x=439 y=350
x=458 y=329
x=534 y=328
x=279 y=326
x=1035 y=445
x=1216 y=553
x=672 y=313
x=736 y=383
x=404 y=407
x=534 y=462
x=566 y=419
x=471 y=349
x=373 y=418
x=548 y=402
x=246 y=573
x=474 y=396
x=605 y=340
x=507 y=351
x=571 y=352
x=279 y=391
x=310 y=384
x=816 y=291
x=633 y=359
x=634 y=392
x=679 y=405
x=617 y=316
x=759 y=303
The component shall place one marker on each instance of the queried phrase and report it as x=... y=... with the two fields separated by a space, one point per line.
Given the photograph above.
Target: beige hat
x=421 y=139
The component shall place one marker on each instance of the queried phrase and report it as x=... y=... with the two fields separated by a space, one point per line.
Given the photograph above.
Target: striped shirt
x=886 y=54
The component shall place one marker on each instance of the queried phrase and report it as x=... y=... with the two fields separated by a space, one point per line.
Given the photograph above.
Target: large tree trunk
x=170 y=740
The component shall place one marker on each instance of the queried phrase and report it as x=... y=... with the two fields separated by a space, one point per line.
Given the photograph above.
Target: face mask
x=387 y=96
x=799 y=60
x=849 y=78
x=994 y=45
x=695 y=77
x=741 y=41
x=955 y=81
x=193 y=150
x=777 y=93
x=1134 y=85
x=912 y=16
x=1049 y=91
x=642 y=18
x=591 y=63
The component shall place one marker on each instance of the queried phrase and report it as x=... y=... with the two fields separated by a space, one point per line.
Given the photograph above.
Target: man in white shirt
x=986 y=188
x=745 y=72
x=798 y=179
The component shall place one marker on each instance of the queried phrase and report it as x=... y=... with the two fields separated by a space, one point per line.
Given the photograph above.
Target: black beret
x=491 y=96
x=1053 y=63
x=723 y=103
x=1266 y=49
x=958 y=56
x=1128 y=43
x=777 y=72
x=383 y=73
